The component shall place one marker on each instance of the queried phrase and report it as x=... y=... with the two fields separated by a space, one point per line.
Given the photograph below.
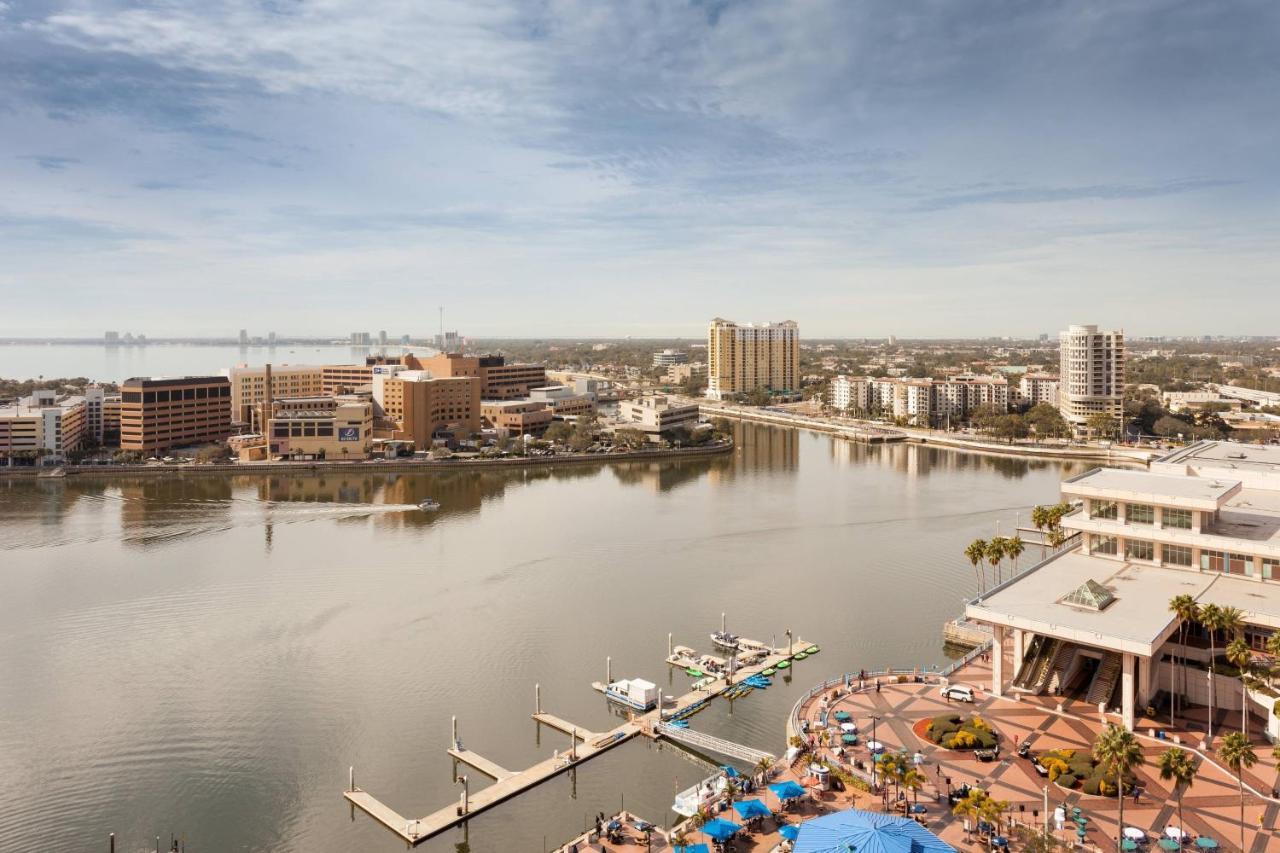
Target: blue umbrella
x=871 y=832
x=748 y=809
x=731 y=772
x=614 y=825
x=720 y=829
x=789 y=832
x=787 y=790
x=693 y=848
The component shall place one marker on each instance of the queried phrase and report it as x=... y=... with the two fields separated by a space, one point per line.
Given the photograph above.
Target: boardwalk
x=507 y=783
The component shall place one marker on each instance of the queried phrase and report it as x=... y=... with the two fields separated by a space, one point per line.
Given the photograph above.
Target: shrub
x=1056 y=766
x=1066 y=780
x=963 y=740
x=1091 y=785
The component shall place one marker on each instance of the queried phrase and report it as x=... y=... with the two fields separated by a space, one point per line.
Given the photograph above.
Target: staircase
x=1104 y=680
x=1044 y=667
x=1061 y=664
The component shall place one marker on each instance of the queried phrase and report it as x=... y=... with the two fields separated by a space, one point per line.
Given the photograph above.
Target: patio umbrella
x=789 y=832
x=867 y=831
x=614 y=825
x=1169 y=844
x=748 y=809
x=849 y=728
x=731 y=772
x=1204 y=842
x=843 y=716
x=851 y=740
x=1000 y=841
x=919 y=808
x=787 y=790
x=1128 y=844
x=1132 y=832
x=720 y=829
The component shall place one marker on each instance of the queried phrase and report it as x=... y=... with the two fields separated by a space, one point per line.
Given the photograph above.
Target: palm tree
x=1118 y=752
x=1240 y=655
x=995 y=555
x=761 y=770
x=1211 y=619
x=1185 y=608
x=1040 y=520
x=977 y=552
x=1177 y=765
x=1273 y=649
x=1237 y=753
x=1014 y=547
x=913 y=780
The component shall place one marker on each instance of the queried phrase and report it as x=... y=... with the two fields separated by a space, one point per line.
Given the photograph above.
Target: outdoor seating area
x=951 y=778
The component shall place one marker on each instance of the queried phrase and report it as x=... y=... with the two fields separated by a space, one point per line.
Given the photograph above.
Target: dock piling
x=721 y=623
x=113 y=842
x=456 y=742
x=351 y=778
x=537 y=698
x=608 y=671
x=670 y=647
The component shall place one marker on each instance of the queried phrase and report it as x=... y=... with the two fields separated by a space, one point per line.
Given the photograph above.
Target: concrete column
x=1127 y=689
x=1019 y=649
x=997 y=660
x=1148 y=668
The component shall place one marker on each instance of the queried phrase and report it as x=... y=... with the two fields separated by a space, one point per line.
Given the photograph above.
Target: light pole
x=874 y=743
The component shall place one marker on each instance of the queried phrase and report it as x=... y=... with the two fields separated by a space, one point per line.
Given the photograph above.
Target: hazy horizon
x=582 y=168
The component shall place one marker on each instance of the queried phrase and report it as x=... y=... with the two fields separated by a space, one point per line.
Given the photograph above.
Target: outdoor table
x=843 y=716
x=1204 y=842
x=1169 y=844
x=1128 y=844
x=852 y=740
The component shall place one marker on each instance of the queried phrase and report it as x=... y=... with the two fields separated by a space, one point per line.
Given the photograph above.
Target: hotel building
x=1091 y=374
x=747 y=357
x=159 y=414
x=1093 y=622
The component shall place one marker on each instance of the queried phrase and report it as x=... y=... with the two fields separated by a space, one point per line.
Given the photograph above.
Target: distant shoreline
x=434 y=466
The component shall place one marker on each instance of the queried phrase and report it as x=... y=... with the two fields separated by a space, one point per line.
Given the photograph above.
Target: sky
x=576 y=168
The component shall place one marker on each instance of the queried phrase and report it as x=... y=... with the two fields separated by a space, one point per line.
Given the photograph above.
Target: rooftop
x=1225 y=454
x=1202 y=492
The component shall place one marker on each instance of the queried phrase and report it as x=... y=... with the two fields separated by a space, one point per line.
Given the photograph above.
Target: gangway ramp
x=711 y=743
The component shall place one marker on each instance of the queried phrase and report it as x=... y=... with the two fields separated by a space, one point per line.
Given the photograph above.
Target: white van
x=957 y=693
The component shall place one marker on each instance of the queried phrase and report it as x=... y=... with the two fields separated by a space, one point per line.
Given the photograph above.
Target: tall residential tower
x=1091 y=375
x=745 y=357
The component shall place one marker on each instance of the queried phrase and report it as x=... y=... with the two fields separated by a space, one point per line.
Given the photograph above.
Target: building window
x=1104 y=545
x=1105 y=509
x=1176 y=555
x=1138 y=549
x=1179 y=518
x=1230 y=564
x=1140 y=514
x=1270 y=569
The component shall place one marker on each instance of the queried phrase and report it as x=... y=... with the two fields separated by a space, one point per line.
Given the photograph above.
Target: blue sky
x=592 y=168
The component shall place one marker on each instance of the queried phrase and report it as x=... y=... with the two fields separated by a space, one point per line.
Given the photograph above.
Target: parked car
x=957 y=693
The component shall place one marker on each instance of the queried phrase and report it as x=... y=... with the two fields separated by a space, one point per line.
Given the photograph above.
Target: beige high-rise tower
x=743 y=357
x=1091 y=374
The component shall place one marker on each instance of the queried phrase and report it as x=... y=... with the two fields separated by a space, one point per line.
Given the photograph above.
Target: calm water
x=206 y=657
x=112 y=364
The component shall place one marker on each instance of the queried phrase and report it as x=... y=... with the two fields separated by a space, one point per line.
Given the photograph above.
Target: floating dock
x=584 y=744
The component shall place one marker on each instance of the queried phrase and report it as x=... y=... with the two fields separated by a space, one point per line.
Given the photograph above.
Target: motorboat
x=725 y=640
x=429 y=505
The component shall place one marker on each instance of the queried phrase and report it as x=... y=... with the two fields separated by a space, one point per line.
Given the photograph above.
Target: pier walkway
x=585 y=745
x=711 y=743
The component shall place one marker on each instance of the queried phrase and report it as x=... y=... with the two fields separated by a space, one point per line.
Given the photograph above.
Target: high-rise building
x=111 y=339
x=271 y=339
x=426 y=407
x=742 y=358
x=382 y=338
x=1036 y=388
x=361 y=339
x=1091 y=374
x=244 y=337
x=157 y=414
x=498 y=380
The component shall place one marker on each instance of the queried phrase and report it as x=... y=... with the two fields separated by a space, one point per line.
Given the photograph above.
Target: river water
x=205 y=657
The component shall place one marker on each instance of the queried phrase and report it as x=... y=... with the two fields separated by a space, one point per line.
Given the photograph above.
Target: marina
x=663 y=721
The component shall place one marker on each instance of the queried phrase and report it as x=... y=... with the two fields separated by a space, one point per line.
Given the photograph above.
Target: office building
x=516 y=417
x=427 y=408
x=382 y=338
x=448 y=342
x=564 y=402
x=159 y=414
x=1249 y=395
x=44 y=426
x=678 y=374
x=244 y=337
x=742 y=358
x=111 y=339
x=361 y=339
x=668 y=357
x=1091 y=374
x=657 y=414
x=498 y=380
x=1036 y=388
x=321 y=427
x=1093 y=622
x=271 y=339
x=249 y=388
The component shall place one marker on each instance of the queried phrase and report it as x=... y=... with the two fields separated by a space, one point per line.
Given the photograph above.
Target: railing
x=711 y=743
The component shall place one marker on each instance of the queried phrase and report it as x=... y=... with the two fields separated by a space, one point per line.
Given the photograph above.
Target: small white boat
x=725 y=640
x=429 y=505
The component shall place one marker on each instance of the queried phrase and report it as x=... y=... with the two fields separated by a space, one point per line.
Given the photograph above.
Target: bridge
x=710 y=743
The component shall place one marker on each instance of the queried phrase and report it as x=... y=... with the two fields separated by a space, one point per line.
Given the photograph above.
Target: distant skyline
x=584 y=168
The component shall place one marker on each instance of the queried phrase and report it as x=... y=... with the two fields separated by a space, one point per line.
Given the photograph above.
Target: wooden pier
x=583 y=745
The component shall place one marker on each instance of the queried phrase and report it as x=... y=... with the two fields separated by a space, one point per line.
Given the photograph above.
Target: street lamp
x=875 y=743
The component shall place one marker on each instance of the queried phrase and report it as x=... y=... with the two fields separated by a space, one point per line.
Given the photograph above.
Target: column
x=1148 y=669
x=997 y=660
x=1019 y=649
x=1127 y=689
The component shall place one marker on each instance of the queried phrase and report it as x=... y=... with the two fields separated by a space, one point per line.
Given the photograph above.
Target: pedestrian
x=1136 y=792
x=1015 y=740
x=877 y=685
x=947 y=696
